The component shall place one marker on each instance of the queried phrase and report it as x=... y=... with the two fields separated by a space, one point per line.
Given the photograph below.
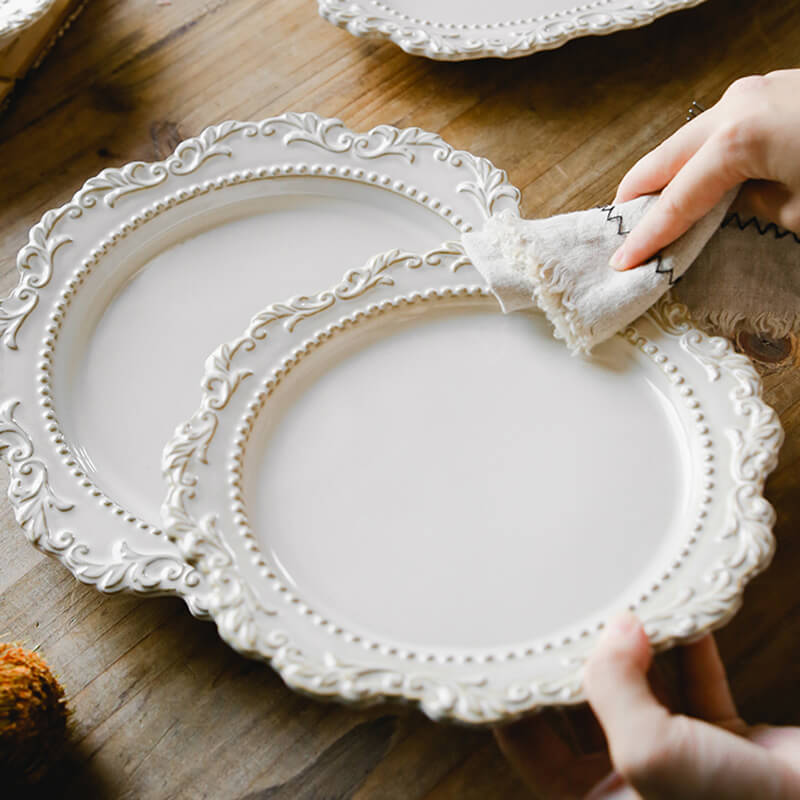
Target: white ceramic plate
x=395 y=491
x=456 y=30
x=124 y=290
x=16 y=15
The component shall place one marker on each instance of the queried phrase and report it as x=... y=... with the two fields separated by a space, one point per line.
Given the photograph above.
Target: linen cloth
x=745 y=273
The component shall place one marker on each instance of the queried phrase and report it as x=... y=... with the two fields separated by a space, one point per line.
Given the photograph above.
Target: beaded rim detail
x=514 y=38
x=264 y=631
x=35 y=453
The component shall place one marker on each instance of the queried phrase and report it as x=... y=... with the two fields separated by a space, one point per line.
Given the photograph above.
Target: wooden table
x=161 y=707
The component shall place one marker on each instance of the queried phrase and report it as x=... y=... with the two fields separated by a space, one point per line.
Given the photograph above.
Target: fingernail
x=616 y=260
x=626 y=621
x=623 y=624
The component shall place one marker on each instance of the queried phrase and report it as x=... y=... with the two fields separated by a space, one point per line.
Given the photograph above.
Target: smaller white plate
x=16 y=15
x=394 y=490
x=457 y=30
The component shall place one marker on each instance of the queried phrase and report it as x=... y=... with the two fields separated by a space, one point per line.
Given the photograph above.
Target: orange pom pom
x=33 y=715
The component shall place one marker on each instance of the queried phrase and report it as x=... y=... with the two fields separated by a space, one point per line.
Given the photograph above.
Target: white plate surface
x=125 y=290
x=394 y=490
x=16 y=15
x=456 y=30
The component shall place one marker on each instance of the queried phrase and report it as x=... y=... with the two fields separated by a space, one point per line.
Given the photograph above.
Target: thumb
x=615 y=679
x=661 y=756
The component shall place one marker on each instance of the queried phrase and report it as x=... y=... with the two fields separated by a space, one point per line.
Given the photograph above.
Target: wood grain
x=161 y=707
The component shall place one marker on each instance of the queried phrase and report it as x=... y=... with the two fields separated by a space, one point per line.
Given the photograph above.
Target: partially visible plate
x=16 y=15
x=395 y=491
x=124 y=290
x=457 y=30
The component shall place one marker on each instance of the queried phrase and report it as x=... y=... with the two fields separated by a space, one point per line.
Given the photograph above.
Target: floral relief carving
x=189 y=156
x=35 y=268
x=35 y=265
x=34 y=502
x=489 y=184
x=35 y=260
x=755 y=442
x=468 y=699
x=328 y=134
x=504 y=39
x=29 y=488
x=473 y=699
x=222 y=378
x=755 y=448
x=331 y=135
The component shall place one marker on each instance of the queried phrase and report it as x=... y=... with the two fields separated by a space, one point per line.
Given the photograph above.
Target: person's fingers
x=781 y=740
x=546 y=762
x=708 y=695
x=654 y=171
x=615 y=679
x=770 y=202
x=691 y=194
x=663 y=756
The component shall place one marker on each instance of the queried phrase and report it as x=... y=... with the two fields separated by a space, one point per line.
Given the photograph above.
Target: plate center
x=459 y=480
x=139 y=367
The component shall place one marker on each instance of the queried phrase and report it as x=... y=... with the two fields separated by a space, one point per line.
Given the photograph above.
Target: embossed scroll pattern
x=452 y=41
x=265 y=632
x=52 y=236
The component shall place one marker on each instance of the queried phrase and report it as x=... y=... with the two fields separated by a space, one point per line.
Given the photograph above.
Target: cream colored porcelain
x=124 y=290
x=16 y=15
x=395 y=491
x=456 y=30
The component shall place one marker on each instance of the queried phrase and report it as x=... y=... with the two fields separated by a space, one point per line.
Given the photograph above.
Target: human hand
x=653 y=753
x=751 y=136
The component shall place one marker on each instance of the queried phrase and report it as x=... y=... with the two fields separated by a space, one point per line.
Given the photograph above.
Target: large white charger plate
x=125 y=290
x=396 y=491
x=457 y=30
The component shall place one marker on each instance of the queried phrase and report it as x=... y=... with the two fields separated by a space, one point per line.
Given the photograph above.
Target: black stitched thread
x=733 y=217
x=659 y=263
x=763 y=230
x=618 y=217
x=622 y=232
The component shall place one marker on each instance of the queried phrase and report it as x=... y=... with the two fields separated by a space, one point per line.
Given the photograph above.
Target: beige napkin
x=745 y=272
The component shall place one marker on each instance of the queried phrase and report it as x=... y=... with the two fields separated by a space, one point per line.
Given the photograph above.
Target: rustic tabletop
x=162 y=708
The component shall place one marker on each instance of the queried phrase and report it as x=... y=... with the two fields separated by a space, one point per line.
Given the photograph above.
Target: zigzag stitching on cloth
x=659 y=264
x=621 y=232
x=763 y=230
x=617 y=217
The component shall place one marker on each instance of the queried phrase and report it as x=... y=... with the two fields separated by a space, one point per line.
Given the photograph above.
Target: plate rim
x=419 y=37
x=17 y=15
x=34 y=503
x=238 y=613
